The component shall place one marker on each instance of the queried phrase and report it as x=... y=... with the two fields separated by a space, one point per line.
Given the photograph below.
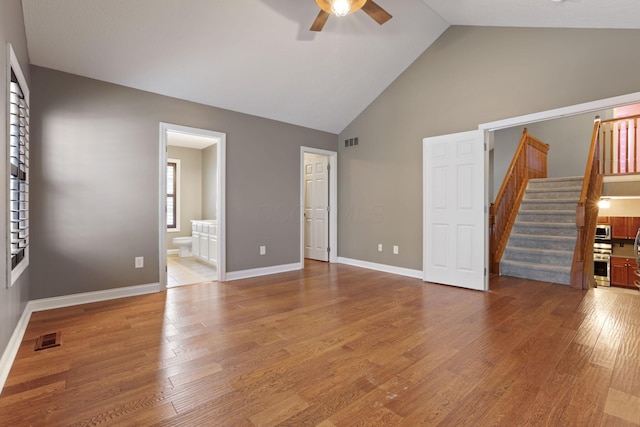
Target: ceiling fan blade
x=376 y=12
x=320 y=21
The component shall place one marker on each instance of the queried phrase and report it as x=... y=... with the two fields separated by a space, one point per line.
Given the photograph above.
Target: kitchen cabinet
x=604 y=220
x=622 y=272
x=623 y=227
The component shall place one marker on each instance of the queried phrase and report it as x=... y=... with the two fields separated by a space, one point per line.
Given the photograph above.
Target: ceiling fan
x=345 y=7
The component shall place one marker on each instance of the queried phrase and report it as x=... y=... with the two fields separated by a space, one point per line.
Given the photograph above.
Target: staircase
x=543 y=238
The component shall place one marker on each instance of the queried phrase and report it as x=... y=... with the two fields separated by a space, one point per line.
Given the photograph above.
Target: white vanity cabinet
x=205 y=240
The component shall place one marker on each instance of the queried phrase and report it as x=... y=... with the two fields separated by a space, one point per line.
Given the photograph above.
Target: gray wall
x=95 y=183
x=210 y=182
x=190 y=190
x=13 y=299
x=569 y=139
x=469 y=76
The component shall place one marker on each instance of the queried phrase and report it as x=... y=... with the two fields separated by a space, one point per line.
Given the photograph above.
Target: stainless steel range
x=602 y=263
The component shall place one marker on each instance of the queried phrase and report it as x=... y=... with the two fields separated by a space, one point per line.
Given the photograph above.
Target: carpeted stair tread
x=558 y=252
x=538 y=256
x=562 y=178
x=545 y=228
x=547 y=211
x=546 y=267
x=545 y=224
x=542 y=236
x=542 y=272
x=547 y=201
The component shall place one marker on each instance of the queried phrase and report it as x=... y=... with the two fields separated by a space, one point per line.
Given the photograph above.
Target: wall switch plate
x=139 y=261
x=379 y=247
x=395 y=249
x=263 y=250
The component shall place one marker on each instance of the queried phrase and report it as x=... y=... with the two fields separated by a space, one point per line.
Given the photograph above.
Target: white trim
x=333 y=201
x=9 y=355
x=177 y=193
x=13 y=64
x=602 y=104
x=263 y=271
x=401 y=271
x=173 y=251
x=221 y=142
x=11 y=350
x=13 y=60
x=89 y=297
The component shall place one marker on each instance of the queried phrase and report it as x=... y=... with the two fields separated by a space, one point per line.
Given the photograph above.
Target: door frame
x=333 y=201
x=162 y=195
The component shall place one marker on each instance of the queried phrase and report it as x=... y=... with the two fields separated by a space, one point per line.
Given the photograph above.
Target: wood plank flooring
x=335 y=345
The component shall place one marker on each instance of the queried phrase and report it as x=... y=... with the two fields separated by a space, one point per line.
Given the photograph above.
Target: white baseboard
x=417 y=274
x=9 y=354
x=13 y=345
x=173 y=251
x=87 y=297
x=256 y=272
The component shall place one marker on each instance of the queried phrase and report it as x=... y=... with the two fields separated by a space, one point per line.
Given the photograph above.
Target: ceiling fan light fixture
x=340 y=7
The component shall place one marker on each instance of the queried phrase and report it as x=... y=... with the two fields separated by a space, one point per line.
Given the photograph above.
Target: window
x=173 y=184
x=18 y=169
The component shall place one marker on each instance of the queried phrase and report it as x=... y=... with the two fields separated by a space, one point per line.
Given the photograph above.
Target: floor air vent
x=48 y=341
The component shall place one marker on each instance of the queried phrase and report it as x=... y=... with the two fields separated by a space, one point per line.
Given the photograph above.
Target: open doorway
x=318 y=202
x=191 y=228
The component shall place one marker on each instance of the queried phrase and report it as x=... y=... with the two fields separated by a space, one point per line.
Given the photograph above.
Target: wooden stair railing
x=529 y=161
x=587 y=216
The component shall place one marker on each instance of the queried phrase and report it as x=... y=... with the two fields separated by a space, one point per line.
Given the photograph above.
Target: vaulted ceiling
x=259 y=57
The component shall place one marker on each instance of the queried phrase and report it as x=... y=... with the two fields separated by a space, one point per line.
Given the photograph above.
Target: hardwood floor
x=335 y=345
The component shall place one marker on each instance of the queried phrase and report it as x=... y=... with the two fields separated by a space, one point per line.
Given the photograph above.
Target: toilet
x=184 y=246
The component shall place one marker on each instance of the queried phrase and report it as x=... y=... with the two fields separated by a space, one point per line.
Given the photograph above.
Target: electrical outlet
x=379 y=247
x=395 y=249
x=263 y=250
x=139 y=262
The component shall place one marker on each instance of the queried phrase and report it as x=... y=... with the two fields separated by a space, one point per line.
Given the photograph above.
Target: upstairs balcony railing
x=619 y=146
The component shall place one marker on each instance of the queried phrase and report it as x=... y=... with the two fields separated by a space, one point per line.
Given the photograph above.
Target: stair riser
x=549 y=195
x=541 y=206
x=541 y=243
x=538 y=258
x=565 y=218
x=534 y=274
x=546 y=184
x=542 y=230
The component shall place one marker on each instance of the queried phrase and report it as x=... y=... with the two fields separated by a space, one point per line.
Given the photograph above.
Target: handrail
x=529 y=161
x=587 y=216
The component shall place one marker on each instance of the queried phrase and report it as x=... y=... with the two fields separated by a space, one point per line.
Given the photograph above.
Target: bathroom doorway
x=318 y=202
x=191 y=228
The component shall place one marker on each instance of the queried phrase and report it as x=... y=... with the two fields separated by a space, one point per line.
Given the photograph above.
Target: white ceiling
x=258 y=56
x=187 y=140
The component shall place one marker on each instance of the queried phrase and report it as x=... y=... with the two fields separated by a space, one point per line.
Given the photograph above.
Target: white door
x=316 y=202
x=455 y=231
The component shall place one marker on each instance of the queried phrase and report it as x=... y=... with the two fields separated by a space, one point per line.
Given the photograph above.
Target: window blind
x=18 y=171
x=171 y=195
